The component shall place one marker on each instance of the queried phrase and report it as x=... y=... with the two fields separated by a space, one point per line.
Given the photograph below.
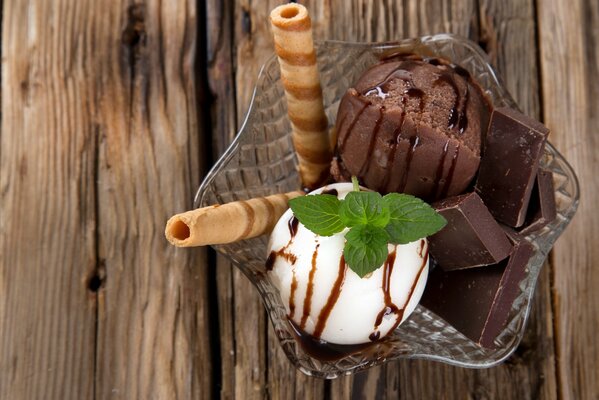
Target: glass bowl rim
x=471 y=46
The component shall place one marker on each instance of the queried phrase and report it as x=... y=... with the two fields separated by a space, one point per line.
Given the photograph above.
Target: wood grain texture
x=569 y=41
x=251 y=368
x=99 y=147
x=223 y=121
x=47 y=203
x=242 y=340
x=153 y=310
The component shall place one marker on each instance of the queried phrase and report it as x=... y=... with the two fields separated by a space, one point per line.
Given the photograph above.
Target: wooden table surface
x=113 y=110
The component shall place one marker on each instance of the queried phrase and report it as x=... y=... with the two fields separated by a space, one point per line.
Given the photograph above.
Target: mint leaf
x=364 y=208
x=319 y=213
x=374 y=222
x=410 y=218
x=365 y=249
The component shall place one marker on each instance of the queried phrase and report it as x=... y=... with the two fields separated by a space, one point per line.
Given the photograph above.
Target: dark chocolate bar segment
x=508 y=167
x=477 y=301
x=541 y=209
x=471 y=238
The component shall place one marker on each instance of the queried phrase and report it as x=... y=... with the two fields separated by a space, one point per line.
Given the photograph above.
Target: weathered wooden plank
x=223 y=125
x=243 y=362
x=569 y=42
x=153 y=320
x=47 y=202
x=452 y=16
x=250 y=317
x=342 y=388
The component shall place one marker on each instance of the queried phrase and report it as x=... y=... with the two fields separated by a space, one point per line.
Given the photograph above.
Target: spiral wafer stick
x=228 y=222
x=292 y=30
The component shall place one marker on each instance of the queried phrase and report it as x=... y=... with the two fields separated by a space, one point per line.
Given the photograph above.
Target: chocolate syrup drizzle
x=433 y=61
x=390 y=307
x=404 y=179
x=352 y=124
x=292 y=224
x=272 y=257
x=450 y=173
x=331 y=301
x=322 y=350
x=457 y=115
x=333 y=192
x=270 y=261
x=421 y=249
x=312 y=343
x=439 y=173
x=402 y=72
x=310 y=288
x=440 y=167
x=366 y=166
x=393 y=149
x=292 y=295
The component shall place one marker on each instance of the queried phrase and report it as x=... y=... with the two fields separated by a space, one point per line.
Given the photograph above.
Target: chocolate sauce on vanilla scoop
x=327 y=351
x=333 y=311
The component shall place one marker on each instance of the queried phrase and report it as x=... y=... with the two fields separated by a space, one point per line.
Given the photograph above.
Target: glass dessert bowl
x=261 y=161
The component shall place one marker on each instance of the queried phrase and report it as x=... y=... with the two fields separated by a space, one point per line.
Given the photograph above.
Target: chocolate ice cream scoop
x=411 y=125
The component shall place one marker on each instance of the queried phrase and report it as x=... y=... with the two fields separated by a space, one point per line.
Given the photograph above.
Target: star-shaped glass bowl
x=261 y=161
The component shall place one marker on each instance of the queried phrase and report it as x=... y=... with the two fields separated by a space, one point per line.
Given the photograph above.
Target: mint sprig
x=365 y=248
x=374 y=222
x=319 y=213
x=364 y=208
x=410 y=218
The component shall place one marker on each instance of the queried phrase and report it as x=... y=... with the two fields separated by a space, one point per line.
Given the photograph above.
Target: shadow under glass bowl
x=261 y=161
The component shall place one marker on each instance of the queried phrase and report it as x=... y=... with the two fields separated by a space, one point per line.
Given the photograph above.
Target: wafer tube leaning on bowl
x=292 y=30
x=227 y=223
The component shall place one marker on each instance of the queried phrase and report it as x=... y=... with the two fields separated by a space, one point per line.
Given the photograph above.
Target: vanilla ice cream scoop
x=328 y=300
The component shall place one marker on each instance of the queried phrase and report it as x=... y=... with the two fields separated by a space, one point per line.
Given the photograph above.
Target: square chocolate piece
x=508 y=167
x=541 y=209
x=471 y=238
x=477 y=301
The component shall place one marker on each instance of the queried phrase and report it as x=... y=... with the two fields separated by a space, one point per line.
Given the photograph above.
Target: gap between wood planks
x=204 y=101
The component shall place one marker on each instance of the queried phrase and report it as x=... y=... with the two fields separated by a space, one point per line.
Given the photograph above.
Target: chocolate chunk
x=471 y=237
x=541 y=209
x=512 y=149
x=477 y=301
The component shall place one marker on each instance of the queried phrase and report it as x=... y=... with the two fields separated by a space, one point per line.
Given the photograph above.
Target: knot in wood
x=134 y=34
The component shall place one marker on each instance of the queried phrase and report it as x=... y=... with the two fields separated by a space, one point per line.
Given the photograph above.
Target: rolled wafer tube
x=228 y=222
x=292 y=30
